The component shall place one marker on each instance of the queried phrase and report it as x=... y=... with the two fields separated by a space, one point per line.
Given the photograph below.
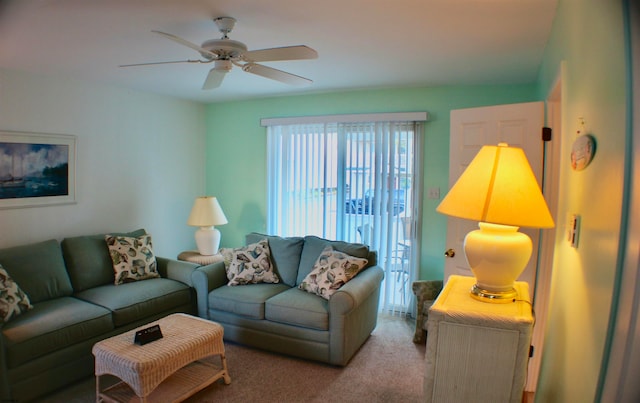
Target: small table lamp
x=499 y=190
x=206 y=213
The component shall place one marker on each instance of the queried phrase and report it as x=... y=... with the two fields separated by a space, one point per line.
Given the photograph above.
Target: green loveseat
x=75 y=304
x=281 y=317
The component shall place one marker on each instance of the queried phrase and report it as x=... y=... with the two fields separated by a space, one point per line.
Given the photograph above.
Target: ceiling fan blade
x=275 y=74
x=284 y=53
x=168 y=62
x=214 y=79
x=204 y=52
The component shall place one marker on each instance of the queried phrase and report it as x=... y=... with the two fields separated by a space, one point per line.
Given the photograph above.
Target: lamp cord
x=533 y=314
x=533 y=311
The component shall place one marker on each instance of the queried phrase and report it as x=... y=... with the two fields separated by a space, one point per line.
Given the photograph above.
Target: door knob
x=450 y=253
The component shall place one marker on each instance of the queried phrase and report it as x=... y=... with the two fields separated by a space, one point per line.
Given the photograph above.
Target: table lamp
x=500 y=190
x=206 y=213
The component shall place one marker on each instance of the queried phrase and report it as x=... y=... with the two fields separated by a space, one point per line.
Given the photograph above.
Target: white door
x=518 y=125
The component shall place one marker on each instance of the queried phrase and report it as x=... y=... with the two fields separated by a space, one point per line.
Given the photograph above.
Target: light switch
x=573 y=230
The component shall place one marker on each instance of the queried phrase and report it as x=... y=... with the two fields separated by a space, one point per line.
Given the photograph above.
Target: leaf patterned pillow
x=332 y=270
x=250 y=264
x=13 y=301
x=132 y=258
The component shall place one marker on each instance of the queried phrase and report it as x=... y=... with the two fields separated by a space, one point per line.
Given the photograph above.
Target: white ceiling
x=361 y=43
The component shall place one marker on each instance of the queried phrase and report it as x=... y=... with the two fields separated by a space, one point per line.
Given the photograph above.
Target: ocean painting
x=37 y=169
x=33 y=170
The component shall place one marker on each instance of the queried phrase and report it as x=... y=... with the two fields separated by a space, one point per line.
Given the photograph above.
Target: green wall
x=588 y=39
x=587 y=44
x=236 y=149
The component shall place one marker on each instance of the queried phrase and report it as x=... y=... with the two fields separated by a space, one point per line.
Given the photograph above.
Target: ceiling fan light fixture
x=223 y=65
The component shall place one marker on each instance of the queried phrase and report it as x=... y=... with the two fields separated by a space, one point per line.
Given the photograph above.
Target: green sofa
x=75 y=304
x=282 y=318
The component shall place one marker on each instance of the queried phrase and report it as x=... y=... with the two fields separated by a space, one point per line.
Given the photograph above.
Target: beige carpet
x=388 y=368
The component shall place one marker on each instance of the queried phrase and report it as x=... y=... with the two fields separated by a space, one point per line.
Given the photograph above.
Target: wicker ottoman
x=166 y=370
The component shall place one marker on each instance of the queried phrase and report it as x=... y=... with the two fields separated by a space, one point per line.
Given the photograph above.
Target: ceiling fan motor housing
x=225 y=48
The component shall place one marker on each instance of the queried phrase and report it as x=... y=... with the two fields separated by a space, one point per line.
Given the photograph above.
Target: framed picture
x=37 y=169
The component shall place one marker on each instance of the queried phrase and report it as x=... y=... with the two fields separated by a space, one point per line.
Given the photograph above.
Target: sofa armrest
x=353 y=312
x=176 y=270
x=352 y=294
x=205 y=279
x=5 y=391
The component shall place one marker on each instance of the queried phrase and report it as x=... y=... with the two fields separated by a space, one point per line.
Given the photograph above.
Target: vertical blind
x=351 y=181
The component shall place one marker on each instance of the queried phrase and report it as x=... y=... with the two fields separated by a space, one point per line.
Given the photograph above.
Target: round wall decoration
x=582 y=152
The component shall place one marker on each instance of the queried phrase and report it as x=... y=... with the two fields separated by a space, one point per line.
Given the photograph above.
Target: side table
x=477 y=351
x=194 y=257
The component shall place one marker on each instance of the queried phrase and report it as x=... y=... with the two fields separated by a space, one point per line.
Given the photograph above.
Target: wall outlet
x=573 y=230
x=433 y=193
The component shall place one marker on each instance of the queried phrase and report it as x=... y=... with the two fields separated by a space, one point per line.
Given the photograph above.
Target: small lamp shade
x=499 y=190
x=206 y=213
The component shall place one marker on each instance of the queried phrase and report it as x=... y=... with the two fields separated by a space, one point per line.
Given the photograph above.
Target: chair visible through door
x=401 y=257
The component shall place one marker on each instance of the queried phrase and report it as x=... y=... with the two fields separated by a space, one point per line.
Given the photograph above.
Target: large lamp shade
x=500 y=190
x=206 y=213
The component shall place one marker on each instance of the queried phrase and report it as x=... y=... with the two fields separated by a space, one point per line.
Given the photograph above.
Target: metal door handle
x=450 y=253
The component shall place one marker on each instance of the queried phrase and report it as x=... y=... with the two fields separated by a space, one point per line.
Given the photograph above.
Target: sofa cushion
x=285 y=254
x=298 y=308
x=132 y=257
x=87 y=259
x=332 y=270
x=13 y=301
x=130 y=302
x=39 y=269
x=313 y=247
x=249 y=265
x=53 y=325
x=246 y=301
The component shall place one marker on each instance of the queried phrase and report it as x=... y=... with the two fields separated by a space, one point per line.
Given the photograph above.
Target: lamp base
x=207 y=240
x=496 y=297
x=497 y=255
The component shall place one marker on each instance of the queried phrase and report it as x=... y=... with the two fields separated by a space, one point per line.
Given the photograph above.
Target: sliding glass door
x=355 y=182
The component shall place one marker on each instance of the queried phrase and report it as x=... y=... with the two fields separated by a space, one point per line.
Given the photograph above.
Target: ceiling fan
x=225 y=53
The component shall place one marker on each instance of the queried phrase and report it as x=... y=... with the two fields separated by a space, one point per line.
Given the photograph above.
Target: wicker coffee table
x=166 y=370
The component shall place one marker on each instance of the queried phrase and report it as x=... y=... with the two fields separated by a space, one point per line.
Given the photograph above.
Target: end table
x=477 y=351
x=194 y=257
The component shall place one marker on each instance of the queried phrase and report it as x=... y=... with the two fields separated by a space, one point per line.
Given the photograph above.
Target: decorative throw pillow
x=250 y=264
x=132 y=258
x=13 y=301
x=332 y=270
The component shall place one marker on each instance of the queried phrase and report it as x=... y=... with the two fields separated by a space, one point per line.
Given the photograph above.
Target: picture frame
x=37 y=169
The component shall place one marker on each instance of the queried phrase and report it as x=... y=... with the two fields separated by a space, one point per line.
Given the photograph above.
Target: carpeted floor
x=388 y=368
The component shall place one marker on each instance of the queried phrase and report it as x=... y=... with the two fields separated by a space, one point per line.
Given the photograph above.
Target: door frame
x=550 y=186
